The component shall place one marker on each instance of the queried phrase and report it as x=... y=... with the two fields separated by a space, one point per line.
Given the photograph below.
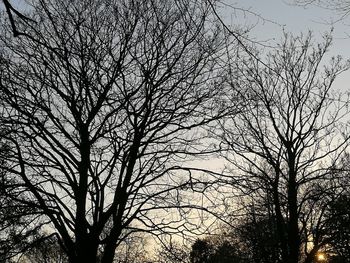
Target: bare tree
x=341 y=7
x=46 y=250
x=13 y=15
x=15 y=236
x=103 y=102
x=288 y=139
x=172 y=252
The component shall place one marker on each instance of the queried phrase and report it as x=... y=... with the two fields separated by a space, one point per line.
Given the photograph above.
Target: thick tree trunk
x=280 y=224
x=109 y=253
x=293 y=232
x=86 y=251
x=293 y=229
x=311 y=256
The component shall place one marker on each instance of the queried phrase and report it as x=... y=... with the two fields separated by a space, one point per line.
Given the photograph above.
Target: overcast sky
x=276 y=15
x=281 y=14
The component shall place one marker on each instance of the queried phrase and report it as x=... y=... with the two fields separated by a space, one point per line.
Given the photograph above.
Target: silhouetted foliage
x=337 y=226
x=46 y=250
x=259 y=238
x=172 y=252
x=201 y=251
x=214 y=251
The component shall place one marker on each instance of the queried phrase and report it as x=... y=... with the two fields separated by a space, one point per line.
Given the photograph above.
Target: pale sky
x=281 y=14
x=274 y=16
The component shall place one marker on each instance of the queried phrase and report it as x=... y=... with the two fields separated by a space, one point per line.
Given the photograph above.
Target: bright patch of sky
x=268 y=19
x=272 y=16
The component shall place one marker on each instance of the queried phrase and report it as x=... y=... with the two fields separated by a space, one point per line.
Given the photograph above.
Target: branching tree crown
x=342 y=7
x=100 y=100
x=290 y=135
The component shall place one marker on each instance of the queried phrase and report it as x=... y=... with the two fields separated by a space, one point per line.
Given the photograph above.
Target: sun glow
x=321 y=257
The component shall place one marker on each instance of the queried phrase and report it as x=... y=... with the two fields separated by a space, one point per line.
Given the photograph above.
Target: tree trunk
x=293 y=229
x=280 y=225
x=311 y=256
x=109 y=253
x=87 y=252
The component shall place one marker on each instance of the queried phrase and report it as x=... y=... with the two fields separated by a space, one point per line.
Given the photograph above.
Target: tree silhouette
x=286 y=142
x=337 y=226
x=201 y=251
x=103 y=102
x=13 y=14
x=214 y=251
x=342 y=7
